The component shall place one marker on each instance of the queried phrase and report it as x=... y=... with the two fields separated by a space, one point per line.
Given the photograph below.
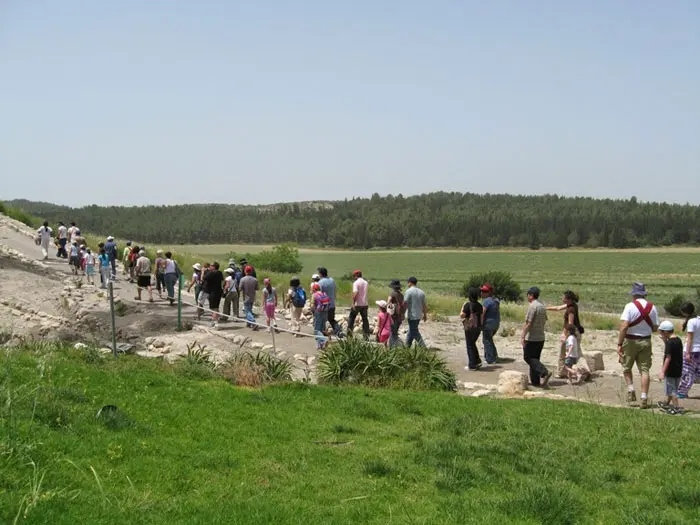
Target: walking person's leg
x=689 y=375
x=234 y=304
x=531 y=354
x=365 y=321
x=351 y=320
x=394 y=339
x=334 y=324
x=113 y=262
x=561 y=368
x=412 y=325
x=472 y=338
x=227 y=308
x=490 y=351
x=630 y=350
x=471 y=351
x=417 y=337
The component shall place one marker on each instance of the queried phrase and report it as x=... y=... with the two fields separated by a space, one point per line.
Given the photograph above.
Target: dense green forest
x=434 y=219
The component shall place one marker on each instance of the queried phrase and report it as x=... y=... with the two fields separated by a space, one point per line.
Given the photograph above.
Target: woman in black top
x=471 y=319
x=570 y=309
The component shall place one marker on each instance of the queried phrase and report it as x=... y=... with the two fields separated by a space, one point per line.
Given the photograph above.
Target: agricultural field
x=602 y=278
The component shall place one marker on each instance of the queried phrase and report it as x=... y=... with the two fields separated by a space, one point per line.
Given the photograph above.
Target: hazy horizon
x=136 y=103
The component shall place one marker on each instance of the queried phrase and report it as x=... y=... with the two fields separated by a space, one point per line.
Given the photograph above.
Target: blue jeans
x=320 y=320
x=62 y=249
x=113 y=263
x=248 y=309
x=170 y=280
x=490 y=351
x=414 y=334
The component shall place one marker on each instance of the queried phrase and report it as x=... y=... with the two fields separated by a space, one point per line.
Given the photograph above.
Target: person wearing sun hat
x=396 y=307
x=639 y=320
x=384 y=322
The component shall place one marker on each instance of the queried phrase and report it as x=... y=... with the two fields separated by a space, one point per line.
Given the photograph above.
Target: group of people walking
x=480 y=314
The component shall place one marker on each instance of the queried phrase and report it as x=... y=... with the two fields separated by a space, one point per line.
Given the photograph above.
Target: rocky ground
x=43 y=300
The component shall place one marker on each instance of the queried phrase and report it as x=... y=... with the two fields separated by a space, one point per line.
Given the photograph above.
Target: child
x=572 y=353
x=319 y=306
x=270 y=304
x=90 y=266
x=83 y=258
x=672 y=367
x=74 y=260
x=384 y=323
x=295 y=301
x=105 y=269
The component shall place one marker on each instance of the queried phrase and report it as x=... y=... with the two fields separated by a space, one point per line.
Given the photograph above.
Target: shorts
x=203 y=298
x=570 y=361
x=144 y=281
x=74 y=261
x=636 y=351
x=90 y=270
x=672 y=384
x=214 y=301
x=270 y=310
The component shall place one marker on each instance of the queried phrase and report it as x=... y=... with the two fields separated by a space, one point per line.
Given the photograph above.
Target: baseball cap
x=413 y=280
x=533 y=290
x=395 y=283
x=355 y=273
x=666 y=326
x=248 y=269
x=315 y=286
x=486 y=287
x=229 y=270
x=315 y=277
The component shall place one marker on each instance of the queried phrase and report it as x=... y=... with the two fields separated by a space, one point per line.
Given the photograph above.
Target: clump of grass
x=343 y=429
x=93 y=356
x=196 y=363
x=247 y=369
x=377 y=468
x=364 y=363
x=120 y=308
x=546 y=503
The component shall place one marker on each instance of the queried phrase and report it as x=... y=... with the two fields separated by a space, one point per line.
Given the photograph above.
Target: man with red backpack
x=639 y=320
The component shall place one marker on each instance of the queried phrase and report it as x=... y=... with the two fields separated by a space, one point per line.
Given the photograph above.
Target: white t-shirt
x=62 y=232
x=44 y=233
x=359 y=287
x=230 y=283
x=572 y=347
x=631 y=313
x=694 y=328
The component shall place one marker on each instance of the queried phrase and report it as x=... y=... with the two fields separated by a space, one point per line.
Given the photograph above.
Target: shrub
x=365 y=363
x=283 y=258
x=18 y=215
x=504 y=287
x=673 y=306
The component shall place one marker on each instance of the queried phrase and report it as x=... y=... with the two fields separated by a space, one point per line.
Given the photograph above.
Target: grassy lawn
x=202 y=451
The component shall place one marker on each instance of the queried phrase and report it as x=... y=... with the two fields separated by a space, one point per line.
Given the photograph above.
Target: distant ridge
x=438 y=219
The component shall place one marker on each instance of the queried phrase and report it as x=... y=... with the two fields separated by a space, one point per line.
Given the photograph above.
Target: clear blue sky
x=157 y=101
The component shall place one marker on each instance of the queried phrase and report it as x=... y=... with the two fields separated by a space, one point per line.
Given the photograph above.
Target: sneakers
x=644 y=404
x=682 y=396
x=545 y=380
x=631 y=396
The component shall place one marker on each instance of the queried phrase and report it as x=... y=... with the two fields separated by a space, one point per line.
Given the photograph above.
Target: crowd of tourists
x=480 y=314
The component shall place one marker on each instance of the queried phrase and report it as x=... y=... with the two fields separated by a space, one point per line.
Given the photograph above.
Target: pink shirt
x=359 y=287
x=384 y=322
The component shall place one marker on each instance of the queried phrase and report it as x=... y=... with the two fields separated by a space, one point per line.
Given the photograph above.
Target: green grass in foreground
x=195 y=451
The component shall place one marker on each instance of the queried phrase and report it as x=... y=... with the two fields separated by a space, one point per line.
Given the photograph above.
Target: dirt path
x=42 y=299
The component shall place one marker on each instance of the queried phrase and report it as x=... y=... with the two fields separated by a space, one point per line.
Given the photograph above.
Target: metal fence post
x=179 y=303
x=272 y=331
x=110 y=286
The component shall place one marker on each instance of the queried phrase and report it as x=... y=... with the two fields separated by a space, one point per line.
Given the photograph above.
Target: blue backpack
x=299 y=297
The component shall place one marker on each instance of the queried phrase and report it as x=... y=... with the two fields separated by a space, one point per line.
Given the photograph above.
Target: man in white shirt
x=62 y=240
x=360 y=304
x=44 y=237
x=639 y=320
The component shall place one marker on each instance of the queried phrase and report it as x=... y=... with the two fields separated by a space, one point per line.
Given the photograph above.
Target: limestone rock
x=595 y=360
x=512 y=383
x=482 y=393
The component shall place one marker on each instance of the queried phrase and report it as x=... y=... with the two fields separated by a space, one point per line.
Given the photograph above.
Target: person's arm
x=621 y=337
x=425 y=310
x=355 y=294
x=463 y=312
x=559 y=308
x=526 y=327
x=664 y=367
x=689 y=346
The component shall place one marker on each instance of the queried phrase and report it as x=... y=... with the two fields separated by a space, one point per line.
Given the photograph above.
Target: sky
x=169 y=101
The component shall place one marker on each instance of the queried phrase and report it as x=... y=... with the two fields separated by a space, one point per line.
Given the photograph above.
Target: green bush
x=673 y=306
x=19 y=215
x=364 y=363
x=283 y=258
x=504 y=287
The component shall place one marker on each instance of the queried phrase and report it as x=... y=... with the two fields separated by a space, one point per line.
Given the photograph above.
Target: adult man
x=639 y=320
x=359 y=304
x=397 y=308
x=159 y=271
x=230 y=294
x=416 y=309
x=73 y=233
x=212 y=289
x=328 y=287
x=143 y=273
x=44 y=237
x=111 y=250
x=125 y=258
x=533 y=338
x=62 y=240
x=247 y=287
x=244 y=264
x=491 y=320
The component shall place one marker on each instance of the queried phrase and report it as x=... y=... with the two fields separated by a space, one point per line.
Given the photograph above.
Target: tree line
x=439 y=219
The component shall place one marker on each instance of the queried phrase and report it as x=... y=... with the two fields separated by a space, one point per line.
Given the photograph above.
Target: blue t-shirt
x=111 y=249
x=492 y=306
x=328 y=287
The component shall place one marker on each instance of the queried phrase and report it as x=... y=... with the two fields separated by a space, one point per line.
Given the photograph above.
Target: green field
x=196 y=451
x=602 y=278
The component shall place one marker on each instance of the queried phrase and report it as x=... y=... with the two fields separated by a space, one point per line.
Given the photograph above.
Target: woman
x=171 y=276
x=230 y=295
x=571 y=317
x=159 y=272
x=319 y=306
x=43 y=236
x=471 y=315
x=295 y=301
x=196 y=281
x=490 y=321
x=105 y=267
x=691 y=353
